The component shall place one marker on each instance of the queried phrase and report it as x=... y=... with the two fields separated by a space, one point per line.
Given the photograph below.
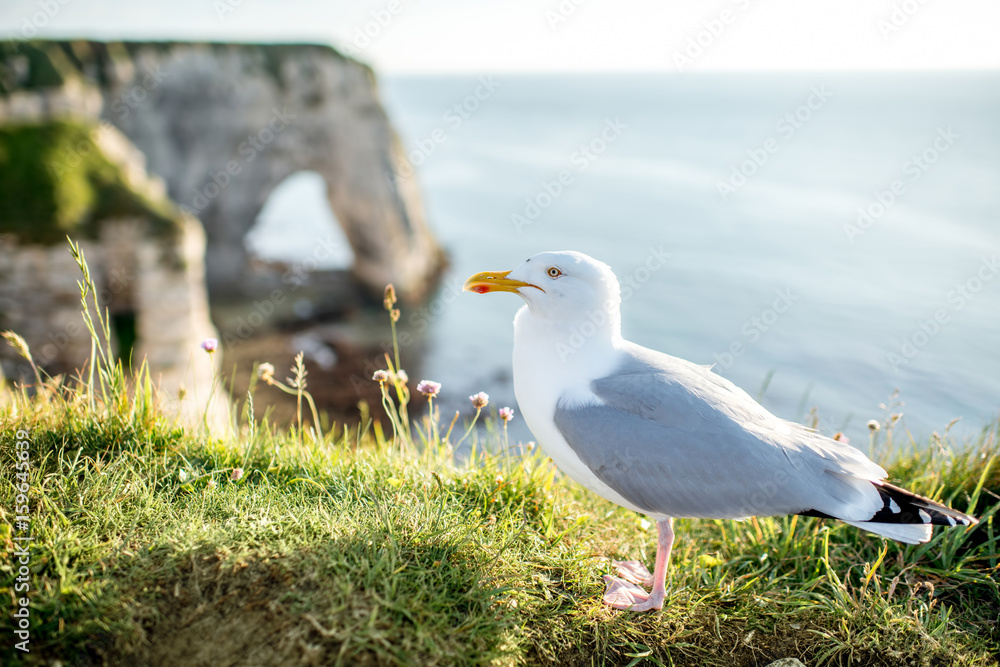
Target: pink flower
x=480 y=400
x=210 y=345
x=506 y=414
x=236 y=475
x=380 y=376
x=429 y=388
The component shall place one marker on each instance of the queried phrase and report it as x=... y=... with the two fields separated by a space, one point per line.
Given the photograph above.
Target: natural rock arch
x=296 y=226
x=224 y=124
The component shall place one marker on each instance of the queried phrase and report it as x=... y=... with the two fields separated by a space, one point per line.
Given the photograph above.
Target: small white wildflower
x=429 y=388
x=266 y=372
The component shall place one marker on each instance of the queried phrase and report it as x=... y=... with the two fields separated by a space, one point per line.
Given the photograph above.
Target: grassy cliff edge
x=164 y=546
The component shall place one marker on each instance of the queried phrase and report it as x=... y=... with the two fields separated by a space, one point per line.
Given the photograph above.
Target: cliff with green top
x=223 y=125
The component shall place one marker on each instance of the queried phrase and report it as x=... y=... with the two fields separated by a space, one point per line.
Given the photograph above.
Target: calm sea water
x=754 y=186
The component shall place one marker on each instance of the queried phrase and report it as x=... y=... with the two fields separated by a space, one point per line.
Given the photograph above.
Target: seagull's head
x=565 y=286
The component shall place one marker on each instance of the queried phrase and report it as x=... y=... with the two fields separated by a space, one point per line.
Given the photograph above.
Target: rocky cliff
x=146 y=258
x=224 y=124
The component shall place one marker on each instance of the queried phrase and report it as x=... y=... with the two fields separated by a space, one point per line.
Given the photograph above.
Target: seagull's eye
x=554 y=272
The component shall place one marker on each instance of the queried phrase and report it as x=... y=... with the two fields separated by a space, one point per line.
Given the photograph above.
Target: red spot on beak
x=481 y=289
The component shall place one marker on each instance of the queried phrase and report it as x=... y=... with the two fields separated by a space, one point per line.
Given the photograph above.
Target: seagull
x=669 y=438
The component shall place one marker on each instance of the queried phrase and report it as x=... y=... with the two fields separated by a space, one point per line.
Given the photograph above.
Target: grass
x=372 y=547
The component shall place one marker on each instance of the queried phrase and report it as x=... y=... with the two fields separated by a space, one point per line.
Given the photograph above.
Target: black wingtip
x=902 y=506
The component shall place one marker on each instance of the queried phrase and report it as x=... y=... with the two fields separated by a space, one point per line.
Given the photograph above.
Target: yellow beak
x=494 y=281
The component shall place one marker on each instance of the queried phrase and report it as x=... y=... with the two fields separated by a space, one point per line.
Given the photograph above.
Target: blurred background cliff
x=803 y=195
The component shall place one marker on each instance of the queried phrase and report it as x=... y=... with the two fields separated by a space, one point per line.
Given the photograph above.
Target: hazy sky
x=559 y=35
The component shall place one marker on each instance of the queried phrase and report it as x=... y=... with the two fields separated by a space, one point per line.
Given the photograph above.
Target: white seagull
x=668 y=438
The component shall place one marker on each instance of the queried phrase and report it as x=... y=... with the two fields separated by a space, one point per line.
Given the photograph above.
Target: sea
x=830 y=242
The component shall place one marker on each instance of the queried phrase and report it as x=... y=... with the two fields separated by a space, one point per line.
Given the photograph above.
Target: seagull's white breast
x=547 y=370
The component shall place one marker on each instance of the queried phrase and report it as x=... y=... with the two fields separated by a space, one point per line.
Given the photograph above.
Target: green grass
x=377 y=548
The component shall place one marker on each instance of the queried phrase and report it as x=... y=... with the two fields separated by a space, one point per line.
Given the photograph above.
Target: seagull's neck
x=568 y=343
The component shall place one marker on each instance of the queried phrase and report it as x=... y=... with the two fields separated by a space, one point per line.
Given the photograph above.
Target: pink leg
x=621 y=594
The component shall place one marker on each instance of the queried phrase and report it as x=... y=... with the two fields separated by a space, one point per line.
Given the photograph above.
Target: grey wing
x=673 y=438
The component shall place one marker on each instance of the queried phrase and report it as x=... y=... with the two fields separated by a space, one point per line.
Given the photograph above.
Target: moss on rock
x=56 y=180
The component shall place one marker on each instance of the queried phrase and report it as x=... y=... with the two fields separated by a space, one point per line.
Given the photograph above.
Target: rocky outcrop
x=224 y=124
x=146 y=259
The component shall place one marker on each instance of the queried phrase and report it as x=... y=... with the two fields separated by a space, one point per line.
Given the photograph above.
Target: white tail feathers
x=911 y=533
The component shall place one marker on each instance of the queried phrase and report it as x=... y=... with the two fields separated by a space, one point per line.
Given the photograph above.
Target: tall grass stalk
x=110 y=375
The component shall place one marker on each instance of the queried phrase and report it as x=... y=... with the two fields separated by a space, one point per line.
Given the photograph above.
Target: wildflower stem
x=211 y=392
x=472 y=425
x=395 y=343
x=454 y=420
x=315 y=415
x=390 y=411
x=433 y=431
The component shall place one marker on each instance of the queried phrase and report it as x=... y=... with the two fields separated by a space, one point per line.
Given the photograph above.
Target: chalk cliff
x=224 y=124
x=146 y=259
